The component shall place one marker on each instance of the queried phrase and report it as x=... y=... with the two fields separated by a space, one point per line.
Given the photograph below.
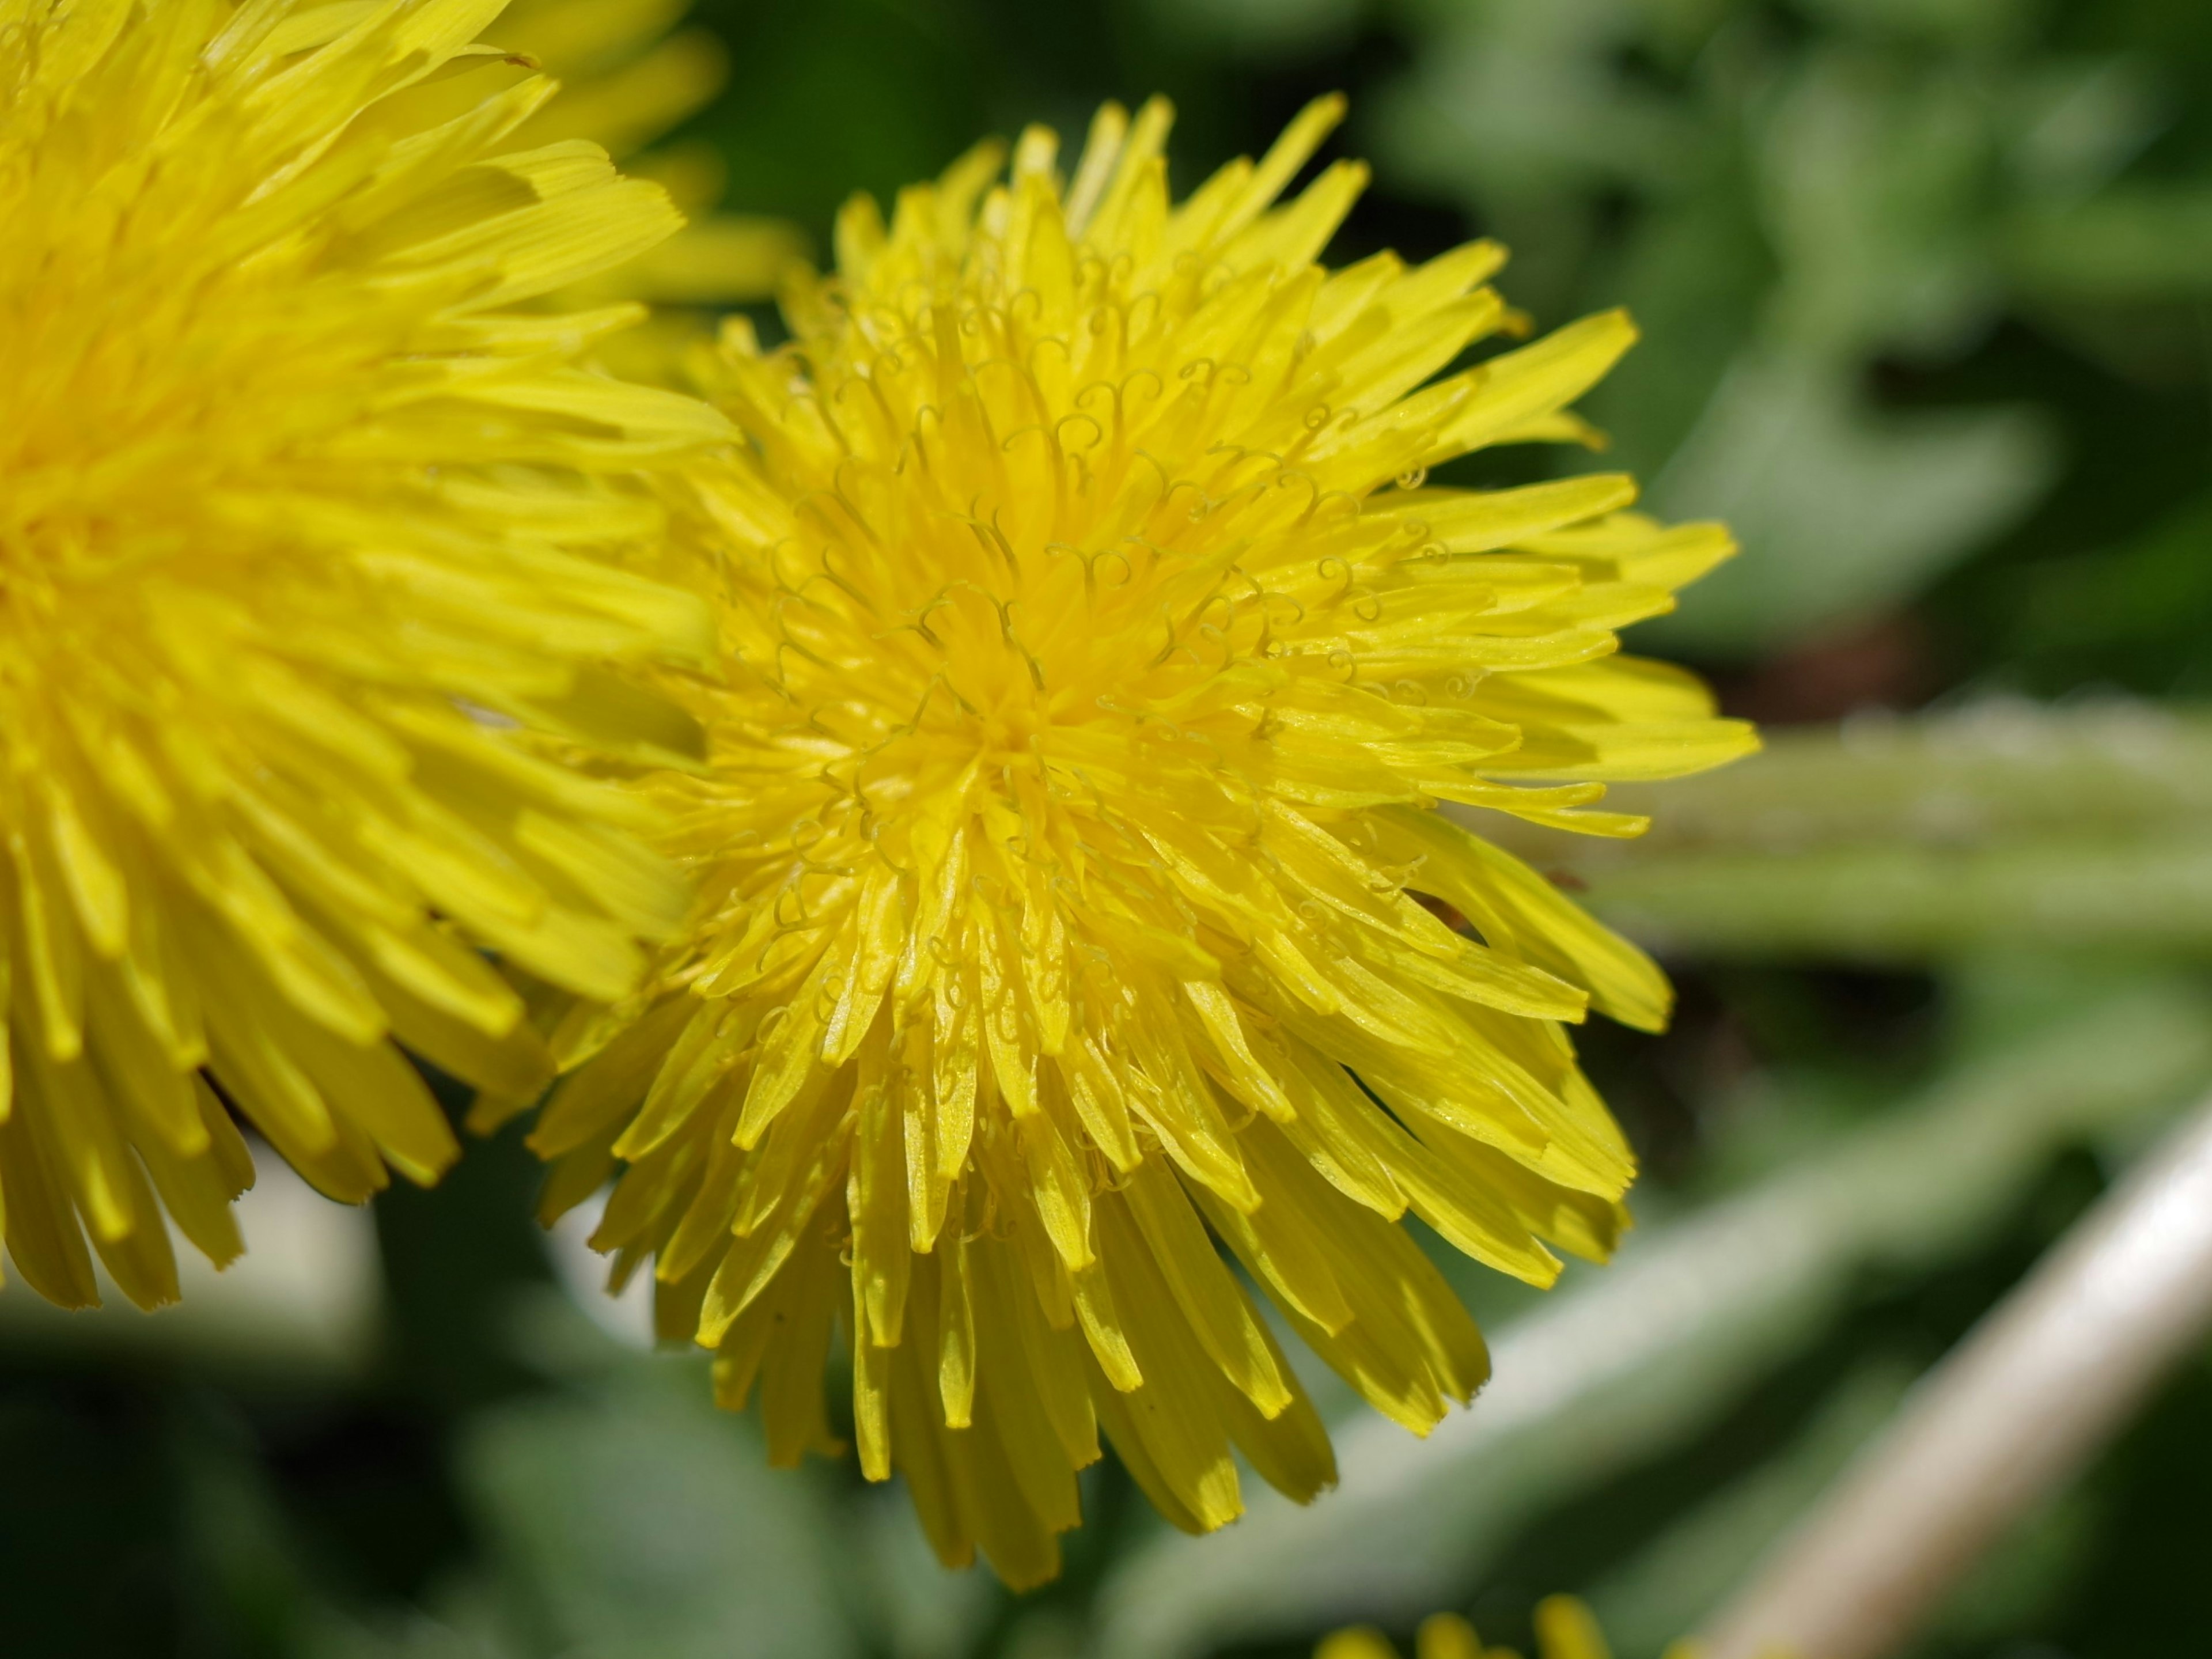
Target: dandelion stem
x=2018 y=1407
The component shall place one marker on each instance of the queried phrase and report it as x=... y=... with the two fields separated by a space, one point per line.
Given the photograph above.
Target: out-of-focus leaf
x=1694 y=278
x=1650 y=1601
x=2130 y=244
x=1800 y=214
x=2006 y=826
x=1872 y=176
x=1514 y=100
x=1968 y=21
x=864 y=94
x=1870 y=179
x=1880 y=903
x=1841 y=511
x=1523 y=115
x=2140 y=609
x=251 y=1567
x=1260 y=28
x=922 y=1611
x=2039 y=1564
x=1967 y=776
x=470 y=1628
x=2078 y=123
x=633 y=1521
x=1643 y=1354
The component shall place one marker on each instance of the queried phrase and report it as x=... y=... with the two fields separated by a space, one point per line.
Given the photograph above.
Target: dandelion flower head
x=308 y=524
x=1096 y=664
x=1565 y=1630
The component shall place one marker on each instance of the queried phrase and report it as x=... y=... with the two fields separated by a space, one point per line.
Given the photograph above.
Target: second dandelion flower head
x=1095 y=662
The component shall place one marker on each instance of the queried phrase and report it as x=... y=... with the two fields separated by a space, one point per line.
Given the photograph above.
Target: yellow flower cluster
x=1565 y=1630
x=308 y=512
x=626 y=81
x=965 y=805
x=1095 y=661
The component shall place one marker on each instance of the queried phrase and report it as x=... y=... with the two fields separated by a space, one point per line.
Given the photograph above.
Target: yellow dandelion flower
x=629 y=76
x=304 y=527
x=1565 y=1630
x=1070 y=812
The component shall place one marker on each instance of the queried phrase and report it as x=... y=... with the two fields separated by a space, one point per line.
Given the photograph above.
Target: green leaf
x=1841 y=511
x=2132 y=244
x=633 y=1521
x=2003 y=827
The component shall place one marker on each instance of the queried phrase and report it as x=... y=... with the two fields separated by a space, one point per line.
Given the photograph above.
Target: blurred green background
x=1926 y=293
